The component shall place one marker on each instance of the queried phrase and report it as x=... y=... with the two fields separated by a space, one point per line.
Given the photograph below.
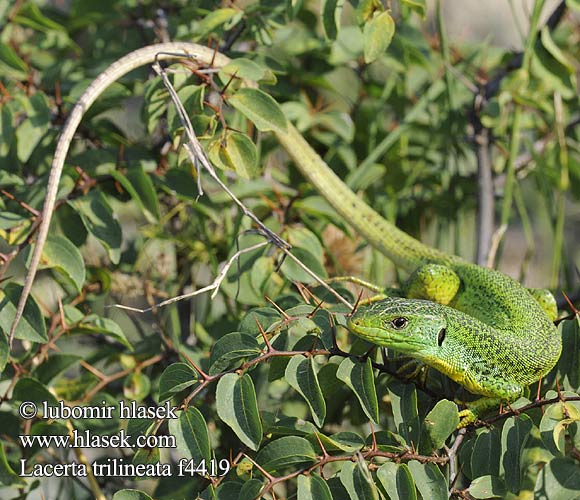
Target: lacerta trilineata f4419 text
x=477 y=326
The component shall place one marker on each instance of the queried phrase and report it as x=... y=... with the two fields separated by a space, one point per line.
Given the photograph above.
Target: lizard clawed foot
x=417 y=369
x=466 y=417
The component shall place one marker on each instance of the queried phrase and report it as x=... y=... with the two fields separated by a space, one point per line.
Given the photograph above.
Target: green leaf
x=264 y=316
x=358 y=481
x=552 y=426
x=569 y=363
x=139 y=427
x=6 y=131
x=346 y=441
x=293 y=8
x=191 y=434
x=251 y=490
x=419 y=6
x=131 y=495
x=4 y=350
x=429 y=480
x=294 y=272
x=440 y=422
x=552 y=67
x=98 y=219
x=573 y=5
x=330 y=11
x=175 y=378
x=514 y=436
x=242 y=154
x=30 y=389
x=11 y=64
x=243 y=68
x=147 y=456
x=301 y=237
x=359 y=377
x=237 y=153
x=554 y=50
x=229 y=490
x=237 y=407
x=94 y=324
x=558 y=480
x=378 y=34
x=55 y=365
x=7 y=475
x=260 y=108
x=60 y=253
x=31 y=326
x=213 y=20
x=404 y=402
x=486 y=456
x=30 y=132
x=30 y=15
x=301 y=375
x=397 y=481
x=232 y=348
x=286 y=452
x=136 y=386
x=313 y=487
x=487 y=487
x=140 y=187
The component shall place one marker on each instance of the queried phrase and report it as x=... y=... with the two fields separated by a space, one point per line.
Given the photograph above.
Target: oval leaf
x=230 y=348
x=106 y=326
x=191 y=434
x=313 y=487
x=514 y=436
x=237 y=407
x=301 y=375
x=30 y=389
x=429 y=480
x=60 y=253
x=358 y=481
x=31 y=326
x=131 y=495
x=174 y=379
x=378 y=34
x=260 y=108
x=243 y=155
x=294 y=272
x=98 y=219
x=286 y=452
x=440 y=422
x=487 y=487
x=397 y=481
x=359 y=377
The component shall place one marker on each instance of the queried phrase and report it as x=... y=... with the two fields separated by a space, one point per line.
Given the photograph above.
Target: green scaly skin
x=498 y=337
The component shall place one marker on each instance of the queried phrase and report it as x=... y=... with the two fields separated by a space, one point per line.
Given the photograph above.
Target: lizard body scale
x=497 y=337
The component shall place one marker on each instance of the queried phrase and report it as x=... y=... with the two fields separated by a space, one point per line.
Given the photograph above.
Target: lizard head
x=408 y=326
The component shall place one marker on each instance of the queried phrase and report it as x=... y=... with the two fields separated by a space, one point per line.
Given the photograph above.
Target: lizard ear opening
x=441 y=337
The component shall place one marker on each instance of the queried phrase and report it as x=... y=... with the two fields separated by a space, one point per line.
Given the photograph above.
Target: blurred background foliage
x=465 y=144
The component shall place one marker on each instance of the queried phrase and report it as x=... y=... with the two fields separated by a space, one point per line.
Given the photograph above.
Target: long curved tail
x=398 y=246
x=401 y=248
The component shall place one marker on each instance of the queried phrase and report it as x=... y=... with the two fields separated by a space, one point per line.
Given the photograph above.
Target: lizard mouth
x=382 y=337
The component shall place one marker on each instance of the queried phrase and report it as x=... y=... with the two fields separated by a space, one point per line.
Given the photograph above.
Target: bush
x=258 y=390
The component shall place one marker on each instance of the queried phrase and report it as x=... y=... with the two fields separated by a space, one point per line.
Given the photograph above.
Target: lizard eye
x=399 y=323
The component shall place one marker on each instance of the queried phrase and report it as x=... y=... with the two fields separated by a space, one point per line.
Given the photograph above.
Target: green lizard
x=481 y=328
x=478 y=326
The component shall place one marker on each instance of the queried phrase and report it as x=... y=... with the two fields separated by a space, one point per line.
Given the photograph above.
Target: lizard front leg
x=506 y=392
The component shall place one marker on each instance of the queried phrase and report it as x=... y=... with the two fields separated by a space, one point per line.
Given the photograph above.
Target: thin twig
x=197 y=156
x=213 y=286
